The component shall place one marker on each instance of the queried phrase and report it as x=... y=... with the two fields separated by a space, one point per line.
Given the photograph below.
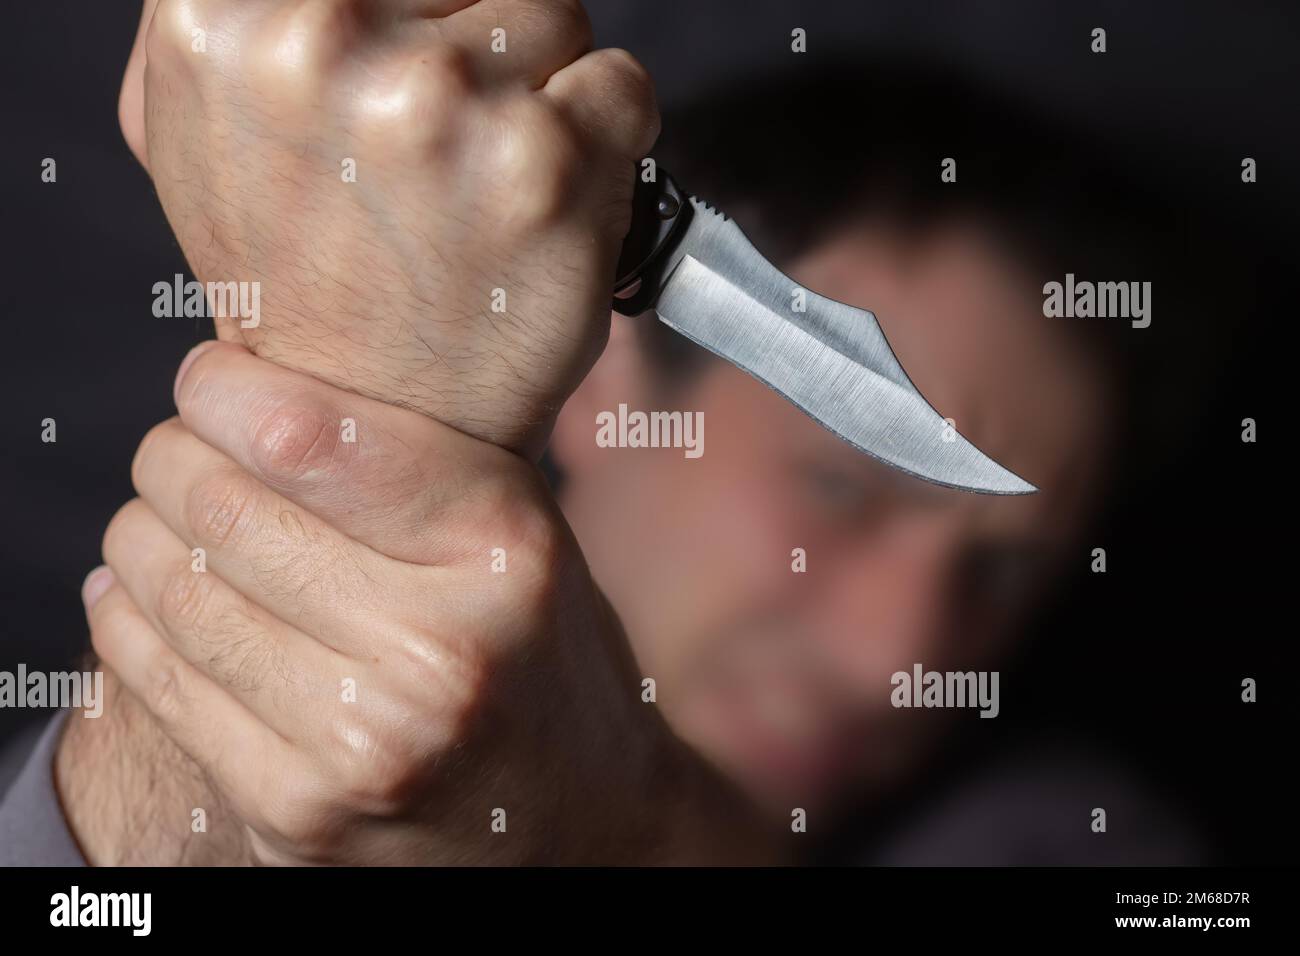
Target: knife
x=702 y=277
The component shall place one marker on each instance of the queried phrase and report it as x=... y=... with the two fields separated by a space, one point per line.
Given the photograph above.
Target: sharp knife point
x=830 y=359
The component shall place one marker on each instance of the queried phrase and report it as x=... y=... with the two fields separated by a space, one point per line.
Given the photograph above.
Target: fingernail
x=185 y=366
x=97 y=582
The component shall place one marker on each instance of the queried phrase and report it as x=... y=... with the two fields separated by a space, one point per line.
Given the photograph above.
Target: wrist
x=677 y=808
x=703 y=818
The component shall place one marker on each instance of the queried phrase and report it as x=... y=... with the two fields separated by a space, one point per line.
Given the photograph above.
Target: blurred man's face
x=783 y=678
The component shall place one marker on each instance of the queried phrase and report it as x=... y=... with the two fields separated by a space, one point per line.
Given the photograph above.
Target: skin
x=349 y=671
x=781 y=680
x=476 y=171
x=764 y=671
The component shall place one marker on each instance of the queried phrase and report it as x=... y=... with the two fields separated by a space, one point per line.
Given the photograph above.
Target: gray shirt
x=1018 y=812
x=33 y=831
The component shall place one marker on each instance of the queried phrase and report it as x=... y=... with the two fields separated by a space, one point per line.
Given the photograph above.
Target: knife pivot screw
x=667 y=207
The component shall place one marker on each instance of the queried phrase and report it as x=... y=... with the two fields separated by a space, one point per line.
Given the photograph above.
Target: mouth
x=779 y=739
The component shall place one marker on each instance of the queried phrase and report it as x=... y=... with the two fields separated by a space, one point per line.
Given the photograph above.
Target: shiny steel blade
x=831 y=360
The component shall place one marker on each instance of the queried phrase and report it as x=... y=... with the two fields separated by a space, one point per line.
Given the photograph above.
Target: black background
x=1144 y=662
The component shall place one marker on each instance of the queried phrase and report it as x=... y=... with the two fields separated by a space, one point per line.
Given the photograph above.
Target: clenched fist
x=432 y=194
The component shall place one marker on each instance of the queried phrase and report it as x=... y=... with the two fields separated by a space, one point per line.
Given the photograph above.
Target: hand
x=358 y=669
x=493 y=174
x=490 y=171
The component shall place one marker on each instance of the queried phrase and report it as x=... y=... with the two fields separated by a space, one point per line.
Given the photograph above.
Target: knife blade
x=694 y=267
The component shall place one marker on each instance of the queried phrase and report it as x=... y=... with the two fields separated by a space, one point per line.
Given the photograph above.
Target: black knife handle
x=660 y=212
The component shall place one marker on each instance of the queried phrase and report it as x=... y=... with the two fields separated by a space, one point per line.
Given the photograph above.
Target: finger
x=609 y=94
x=518 y=41
x=273 y=552
x=236 y=750
x=395 y=486
x=290 y=681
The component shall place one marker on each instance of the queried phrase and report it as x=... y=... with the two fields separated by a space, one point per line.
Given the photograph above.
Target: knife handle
x=660 y=213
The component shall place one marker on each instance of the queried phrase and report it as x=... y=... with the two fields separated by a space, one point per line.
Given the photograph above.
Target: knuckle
x=327 y=25
x=243 y=655
x=378 y=767
x=539 y=165
x=295 y=441
x=164 y=689
x=627 y=82
x=440 y=72
x=235 y=651
x=118 y=529
x=382 y=784
x=147 y=451
x=566 y=20
x=104 y=627
x=467 y=684
x=458 y=676
x=319 y=576
x=540 y=560
x=123 y=532
x=577 y=23
x=536 y=539
x=299 y=814
x=626 y=72
x=183 y=600
x=302 y=45
x=220 y=509
x=110 y=624
x=417 y=104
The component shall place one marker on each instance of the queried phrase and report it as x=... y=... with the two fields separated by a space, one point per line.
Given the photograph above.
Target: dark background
x=1144 y=663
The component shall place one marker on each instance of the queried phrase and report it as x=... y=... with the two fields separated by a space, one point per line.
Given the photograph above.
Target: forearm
x=539 y=713
x=461 y=276
x=129 y=794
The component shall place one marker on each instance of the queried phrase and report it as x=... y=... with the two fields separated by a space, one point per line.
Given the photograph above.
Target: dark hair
x=792 y=157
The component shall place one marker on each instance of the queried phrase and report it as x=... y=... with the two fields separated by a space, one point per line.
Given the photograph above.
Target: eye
x=836 y=491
